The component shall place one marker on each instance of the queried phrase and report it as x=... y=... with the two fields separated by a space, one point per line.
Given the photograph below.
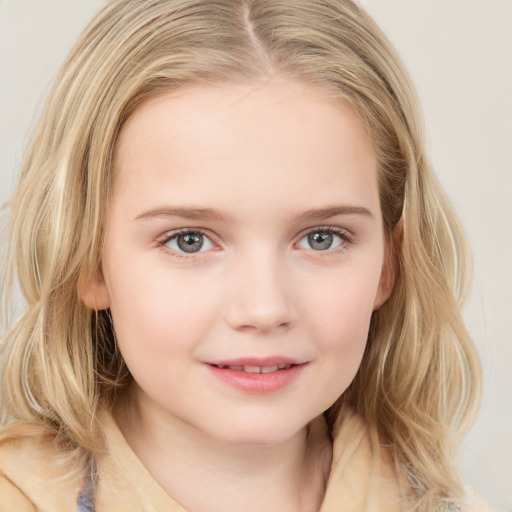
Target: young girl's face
x=244 y=256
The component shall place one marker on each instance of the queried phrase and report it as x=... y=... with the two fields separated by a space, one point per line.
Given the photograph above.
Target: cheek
x=343 y=302
x=157 y=315
x=339 y=321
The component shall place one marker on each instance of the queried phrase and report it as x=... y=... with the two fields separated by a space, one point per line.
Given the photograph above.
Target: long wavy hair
x=419 y=381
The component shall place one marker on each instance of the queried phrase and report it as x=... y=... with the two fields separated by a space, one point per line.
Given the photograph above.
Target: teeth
x=256 y=369
x=252 y=369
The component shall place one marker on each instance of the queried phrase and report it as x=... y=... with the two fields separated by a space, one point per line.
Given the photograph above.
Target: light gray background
x=459 y=53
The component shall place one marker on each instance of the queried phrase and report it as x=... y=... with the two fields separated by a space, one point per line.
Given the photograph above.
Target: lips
x=257 y=376
x=255 y=368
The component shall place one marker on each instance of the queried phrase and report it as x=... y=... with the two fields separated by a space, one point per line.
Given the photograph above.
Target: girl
x=242 y=279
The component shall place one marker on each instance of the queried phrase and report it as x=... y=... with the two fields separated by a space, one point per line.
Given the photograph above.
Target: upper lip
x=257 y=361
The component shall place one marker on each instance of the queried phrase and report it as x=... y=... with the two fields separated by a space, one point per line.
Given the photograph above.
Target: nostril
x=260 y=303
x=261 y=326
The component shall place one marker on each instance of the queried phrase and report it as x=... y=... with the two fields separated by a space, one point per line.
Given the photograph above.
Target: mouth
x=255 y=368
x=258 y=376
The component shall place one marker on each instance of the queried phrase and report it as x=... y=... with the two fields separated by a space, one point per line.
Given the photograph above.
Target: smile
x=256 y=369
x=257 y=376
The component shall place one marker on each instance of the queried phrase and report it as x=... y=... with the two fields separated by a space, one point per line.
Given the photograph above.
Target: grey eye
x=320 y=240
x=190 y=242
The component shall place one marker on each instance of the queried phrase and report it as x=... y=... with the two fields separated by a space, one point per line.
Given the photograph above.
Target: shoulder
x=363 y=472
x=13 y=498
x=32 y=477
x=367 y=470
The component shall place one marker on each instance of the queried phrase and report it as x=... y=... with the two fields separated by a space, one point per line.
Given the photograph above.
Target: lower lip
x=258 y=383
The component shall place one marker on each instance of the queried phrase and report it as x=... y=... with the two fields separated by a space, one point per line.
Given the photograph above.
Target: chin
x=259 y=432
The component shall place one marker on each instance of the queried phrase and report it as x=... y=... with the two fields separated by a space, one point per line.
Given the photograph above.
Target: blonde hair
x=419 y=382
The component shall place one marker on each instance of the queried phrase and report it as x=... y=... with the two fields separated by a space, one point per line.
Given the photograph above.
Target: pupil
x=320 y=241
x=190 y=242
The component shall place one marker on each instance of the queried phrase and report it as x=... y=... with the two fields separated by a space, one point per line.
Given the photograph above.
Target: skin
x=275 y=161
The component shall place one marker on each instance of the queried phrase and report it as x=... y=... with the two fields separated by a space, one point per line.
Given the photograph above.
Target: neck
x=289 y=476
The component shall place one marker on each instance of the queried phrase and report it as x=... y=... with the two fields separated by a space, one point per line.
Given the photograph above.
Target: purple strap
x=85 y=498
x=84 y=502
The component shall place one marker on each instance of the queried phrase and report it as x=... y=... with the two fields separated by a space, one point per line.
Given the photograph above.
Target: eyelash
x=344 y=235
x=165 y=239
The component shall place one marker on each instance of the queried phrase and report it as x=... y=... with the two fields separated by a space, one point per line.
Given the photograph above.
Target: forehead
x=224 y=142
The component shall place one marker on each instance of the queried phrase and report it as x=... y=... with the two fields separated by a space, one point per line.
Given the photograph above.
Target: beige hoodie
x=363 y=477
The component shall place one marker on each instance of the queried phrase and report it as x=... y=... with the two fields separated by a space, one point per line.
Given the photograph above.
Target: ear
x=93 y=291
x=389 y=267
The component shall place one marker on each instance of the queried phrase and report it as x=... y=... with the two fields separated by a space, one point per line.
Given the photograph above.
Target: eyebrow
x=186 y=213
x=315 y=214
x=333 y=211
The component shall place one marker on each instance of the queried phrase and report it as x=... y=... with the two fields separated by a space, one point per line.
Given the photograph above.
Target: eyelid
x=343 y=233
x=172 y=234
x=337 y=230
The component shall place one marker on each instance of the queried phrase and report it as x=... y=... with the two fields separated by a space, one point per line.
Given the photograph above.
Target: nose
x=261 y=297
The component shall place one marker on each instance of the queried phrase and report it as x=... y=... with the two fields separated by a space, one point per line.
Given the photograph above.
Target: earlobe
x=93 y=291
x=389 y=267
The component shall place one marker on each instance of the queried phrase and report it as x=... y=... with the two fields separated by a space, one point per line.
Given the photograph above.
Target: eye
x=188 y=242
x=323 y=239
